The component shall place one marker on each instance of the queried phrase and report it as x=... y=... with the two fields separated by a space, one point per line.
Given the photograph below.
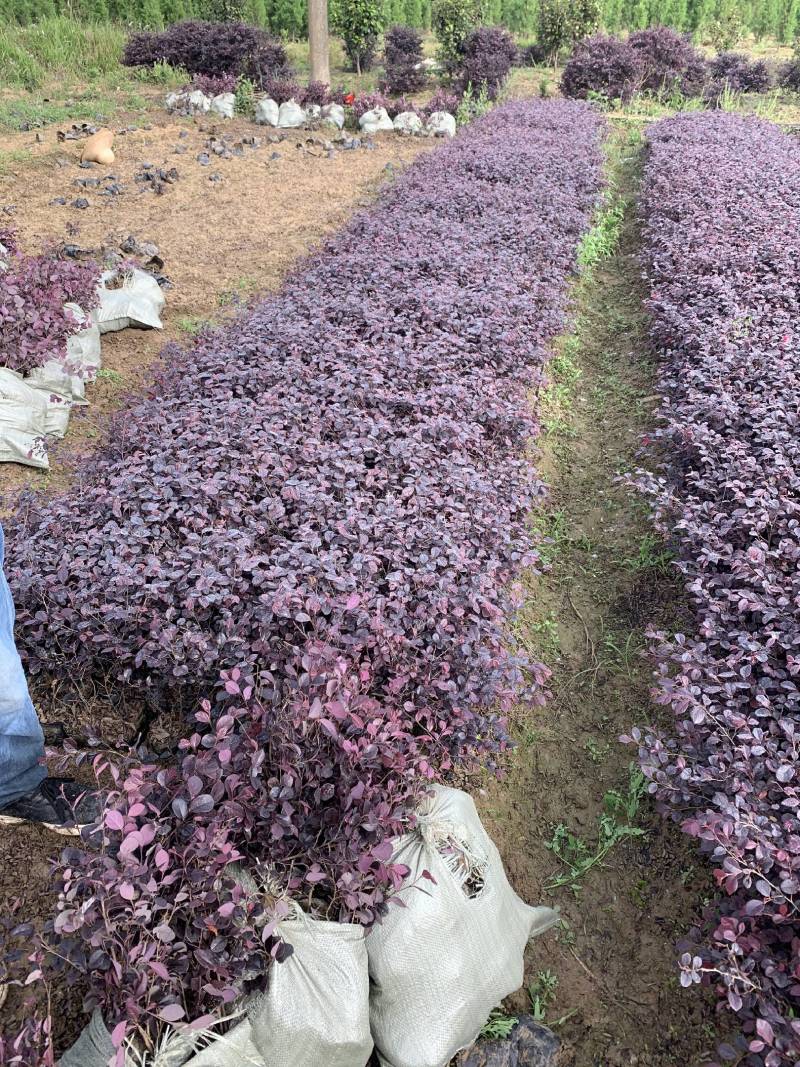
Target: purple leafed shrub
x=669 y=60
x=331 y=491
x=722 y=209
x=34 y=324
x=334 y=518
x=282 y=89
x=210 y=48
x=738 y=73
x=488 y=55
x=365 y=102
x=214 y=84
x=402 y=50
x=442 y=100
x=607 y=66
x=790 y=75
x=315 y=93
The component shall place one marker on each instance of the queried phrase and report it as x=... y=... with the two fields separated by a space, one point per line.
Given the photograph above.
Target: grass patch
x=30 y=56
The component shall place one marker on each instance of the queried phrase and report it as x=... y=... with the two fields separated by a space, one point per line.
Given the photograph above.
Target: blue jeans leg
x=21 y=738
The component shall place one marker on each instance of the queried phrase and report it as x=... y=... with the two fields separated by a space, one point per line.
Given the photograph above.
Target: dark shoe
x=57 y=803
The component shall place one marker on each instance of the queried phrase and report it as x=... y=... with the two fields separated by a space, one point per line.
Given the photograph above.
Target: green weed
x=245 y=97
x=597 y=753
x=602 y=240
x=499 y=1025
x=542 y=992
x=192 y=324
x=239 y=292
x=651 y=555
x=162 y=74
x=616 y=824
x=108 y=375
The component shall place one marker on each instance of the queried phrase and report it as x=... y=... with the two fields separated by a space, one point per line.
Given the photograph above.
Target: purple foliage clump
x=603 y=65
x=442 y=100
x=214 y=84
x=335 y=513
x=488 y=55
x=402 y=54
x=721 y=200
x=34 y=324
x=210 y=48
x=669 y=60
x=789 y=77
x=282 y=89
x=325 y=504
x=365 y=102
x=315 y=93
x=739 y=74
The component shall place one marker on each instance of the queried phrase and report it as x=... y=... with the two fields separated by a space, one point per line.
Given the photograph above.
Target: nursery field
x=459 y=461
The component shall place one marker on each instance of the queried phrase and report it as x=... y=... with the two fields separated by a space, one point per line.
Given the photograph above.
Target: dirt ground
x=607 y=982
x=226 y=230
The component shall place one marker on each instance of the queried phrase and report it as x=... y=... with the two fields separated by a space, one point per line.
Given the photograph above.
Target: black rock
x=536 y=1045
x=184 y=133
x=86 y=165
x=494 y=1053
x=275 y=155
x=203 y=159
x=81 y=203
x=61 y=200
x=529 y=1045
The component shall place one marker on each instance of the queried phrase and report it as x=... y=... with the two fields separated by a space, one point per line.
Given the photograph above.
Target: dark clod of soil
x=529 y=1045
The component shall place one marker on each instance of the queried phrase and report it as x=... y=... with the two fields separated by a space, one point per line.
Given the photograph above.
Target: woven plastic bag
x=441 y=963
x=83 y=354
x=315 y=1010
x=23 y=421
x=136 y=301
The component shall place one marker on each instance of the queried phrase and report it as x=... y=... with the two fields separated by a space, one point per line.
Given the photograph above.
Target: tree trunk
x=318 y=41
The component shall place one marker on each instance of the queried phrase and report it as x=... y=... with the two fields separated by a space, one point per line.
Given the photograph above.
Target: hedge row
x=722 y=210
x=332 y=494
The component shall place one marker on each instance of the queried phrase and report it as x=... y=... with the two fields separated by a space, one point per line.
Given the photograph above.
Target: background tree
x=453 y=21
x=360 y=23
x=318 y=43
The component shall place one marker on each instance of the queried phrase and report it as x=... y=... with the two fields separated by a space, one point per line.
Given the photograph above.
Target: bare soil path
x=608 y=981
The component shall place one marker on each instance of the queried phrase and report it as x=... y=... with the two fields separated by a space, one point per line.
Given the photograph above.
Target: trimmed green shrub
x=453 y=21
x=360 y=23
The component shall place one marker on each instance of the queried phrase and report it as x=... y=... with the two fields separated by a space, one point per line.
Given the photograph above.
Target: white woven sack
x=54 y=382
x=440 y=964
x=137 y=302
x=315 y=1011
x=23 y=422
x=83 y=354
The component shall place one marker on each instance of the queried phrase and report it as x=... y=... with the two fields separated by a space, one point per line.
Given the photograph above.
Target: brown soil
x=221 y=241
x=617 y=1002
